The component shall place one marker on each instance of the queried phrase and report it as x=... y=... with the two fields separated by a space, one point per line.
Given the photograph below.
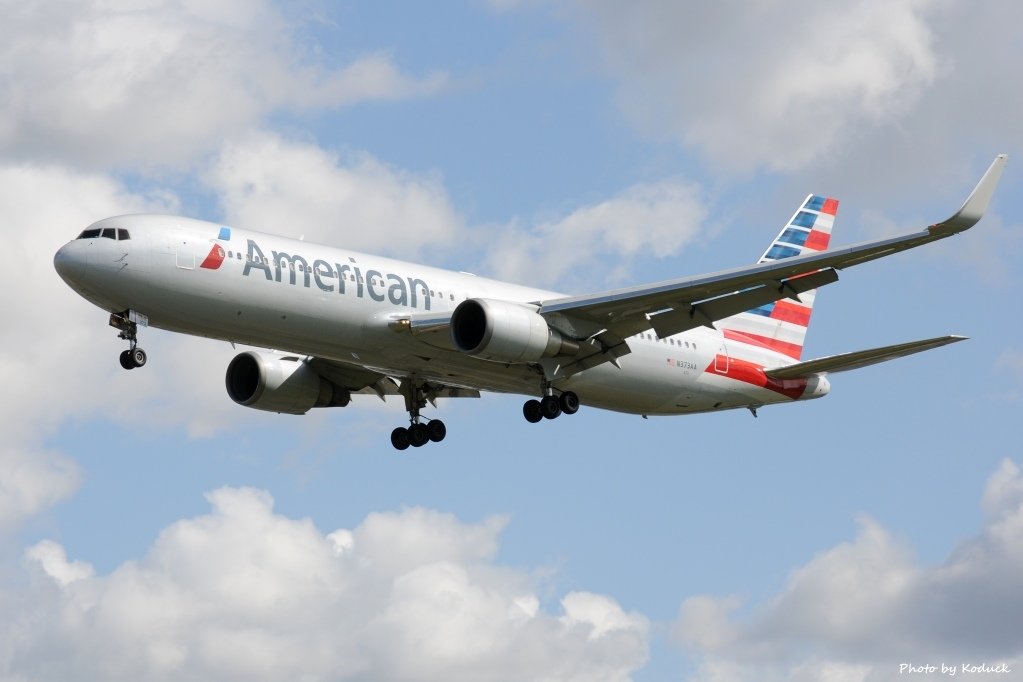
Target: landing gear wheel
x=400 y=438
x=436 y=430
x=531 y=411
x=418 y=435
x=569 y=402
x=125 y=359
x=138 y=357
x=550 y=407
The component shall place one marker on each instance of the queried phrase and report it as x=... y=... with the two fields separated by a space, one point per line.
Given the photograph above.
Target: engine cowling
x=505 y=332
x=280 y=383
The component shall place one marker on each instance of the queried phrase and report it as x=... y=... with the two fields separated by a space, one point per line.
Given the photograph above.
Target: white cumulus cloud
x=776 y=85
x=54 y=340
x=648 y=219
x=266 y=182
x=246 y=593
x=862 y=608
x=158 y=82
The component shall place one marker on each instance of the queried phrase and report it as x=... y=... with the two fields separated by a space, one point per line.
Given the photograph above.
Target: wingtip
x=976 y=204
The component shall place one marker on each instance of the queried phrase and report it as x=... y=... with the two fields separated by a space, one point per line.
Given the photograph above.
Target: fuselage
x=247 y=287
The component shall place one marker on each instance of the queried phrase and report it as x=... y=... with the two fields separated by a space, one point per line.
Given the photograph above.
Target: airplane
x=343 y=323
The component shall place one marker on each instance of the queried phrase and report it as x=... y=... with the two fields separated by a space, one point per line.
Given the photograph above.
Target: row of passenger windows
x=344 y=275
x=119 y=233
x=670 y=341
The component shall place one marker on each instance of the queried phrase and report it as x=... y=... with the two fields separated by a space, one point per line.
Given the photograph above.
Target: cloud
x=53 y=337
x=863 y=607
x=104 y=84
x=246 y=593
x=776 y=85
x=648 y=219
x=266 y=182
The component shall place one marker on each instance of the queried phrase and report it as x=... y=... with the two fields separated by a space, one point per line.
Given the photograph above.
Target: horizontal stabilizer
x=857 y=359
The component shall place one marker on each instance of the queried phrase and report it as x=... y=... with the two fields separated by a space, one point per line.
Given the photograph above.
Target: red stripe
x=830 y=206
x=790 y=349
x=753 y=374
x=791 y=312
x=817 y=240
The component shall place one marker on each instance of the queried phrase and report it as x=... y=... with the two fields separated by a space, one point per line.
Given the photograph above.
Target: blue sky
x=151 y=529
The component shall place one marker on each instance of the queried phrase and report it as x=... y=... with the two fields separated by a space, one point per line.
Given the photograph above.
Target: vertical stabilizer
x=781 y=326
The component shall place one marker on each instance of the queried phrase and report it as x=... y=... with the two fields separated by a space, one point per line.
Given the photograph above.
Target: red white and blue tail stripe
x=781 y=326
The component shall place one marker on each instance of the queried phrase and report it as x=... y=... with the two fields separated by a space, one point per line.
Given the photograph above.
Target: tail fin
x=781 y=326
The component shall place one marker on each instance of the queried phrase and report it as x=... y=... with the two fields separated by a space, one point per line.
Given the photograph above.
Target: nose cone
x=69 y=261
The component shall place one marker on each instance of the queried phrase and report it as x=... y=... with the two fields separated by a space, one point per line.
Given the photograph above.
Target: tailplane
x=857 y=359
x=781 y=325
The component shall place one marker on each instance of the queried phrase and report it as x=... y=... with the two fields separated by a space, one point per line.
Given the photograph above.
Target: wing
x=604 y=320
x=862 y=358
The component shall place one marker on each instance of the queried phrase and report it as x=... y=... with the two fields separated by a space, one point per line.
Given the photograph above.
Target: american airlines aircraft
x=346 y=323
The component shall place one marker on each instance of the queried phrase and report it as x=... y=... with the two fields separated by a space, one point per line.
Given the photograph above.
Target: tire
x=400 y=439
x=138 y=357
x=436 y=430
x=125 y=359
x=569 y=402
x=531 y=411
x=550 y=408
x=418 y=435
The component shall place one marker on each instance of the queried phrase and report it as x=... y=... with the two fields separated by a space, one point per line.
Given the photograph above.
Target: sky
x=151 y=529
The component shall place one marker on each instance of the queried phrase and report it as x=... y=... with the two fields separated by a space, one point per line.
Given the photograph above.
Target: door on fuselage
x=721 y=360
x=185 y=253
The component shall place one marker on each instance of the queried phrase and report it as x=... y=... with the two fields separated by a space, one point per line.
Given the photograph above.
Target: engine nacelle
x=280 y=383
x=505 y=332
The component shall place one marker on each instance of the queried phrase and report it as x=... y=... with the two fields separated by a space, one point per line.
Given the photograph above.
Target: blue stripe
x=764 y=310
x=794 y=236
x=225 y=234
x=804 y=219
x=815 y=203
x=778 y=251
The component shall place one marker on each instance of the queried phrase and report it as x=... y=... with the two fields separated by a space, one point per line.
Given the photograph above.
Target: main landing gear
x=419 y=433
x=550 y=406
x=134 y=356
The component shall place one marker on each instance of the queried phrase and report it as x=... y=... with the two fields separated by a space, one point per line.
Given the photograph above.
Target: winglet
x=973 y=209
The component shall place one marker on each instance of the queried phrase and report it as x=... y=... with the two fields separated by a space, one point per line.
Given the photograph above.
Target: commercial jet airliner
x=345 y=323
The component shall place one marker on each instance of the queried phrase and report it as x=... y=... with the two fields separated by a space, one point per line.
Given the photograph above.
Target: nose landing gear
x=128 y=324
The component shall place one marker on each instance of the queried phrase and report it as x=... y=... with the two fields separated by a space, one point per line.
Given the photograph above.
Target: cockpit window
x=118 y=233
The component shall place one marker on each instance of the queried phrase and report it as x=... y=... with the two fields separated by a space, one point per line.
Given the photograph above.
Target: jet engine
x=280 y=383
x=505 y=332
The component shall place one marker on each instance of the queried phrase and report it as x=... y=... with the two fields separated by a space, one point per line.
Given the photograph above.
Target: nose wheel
x=132 y=358
x=129 y=329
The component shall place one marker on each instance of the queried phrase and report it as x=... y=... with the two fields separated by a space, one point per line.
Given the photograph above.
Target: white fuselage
x=274 y=292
